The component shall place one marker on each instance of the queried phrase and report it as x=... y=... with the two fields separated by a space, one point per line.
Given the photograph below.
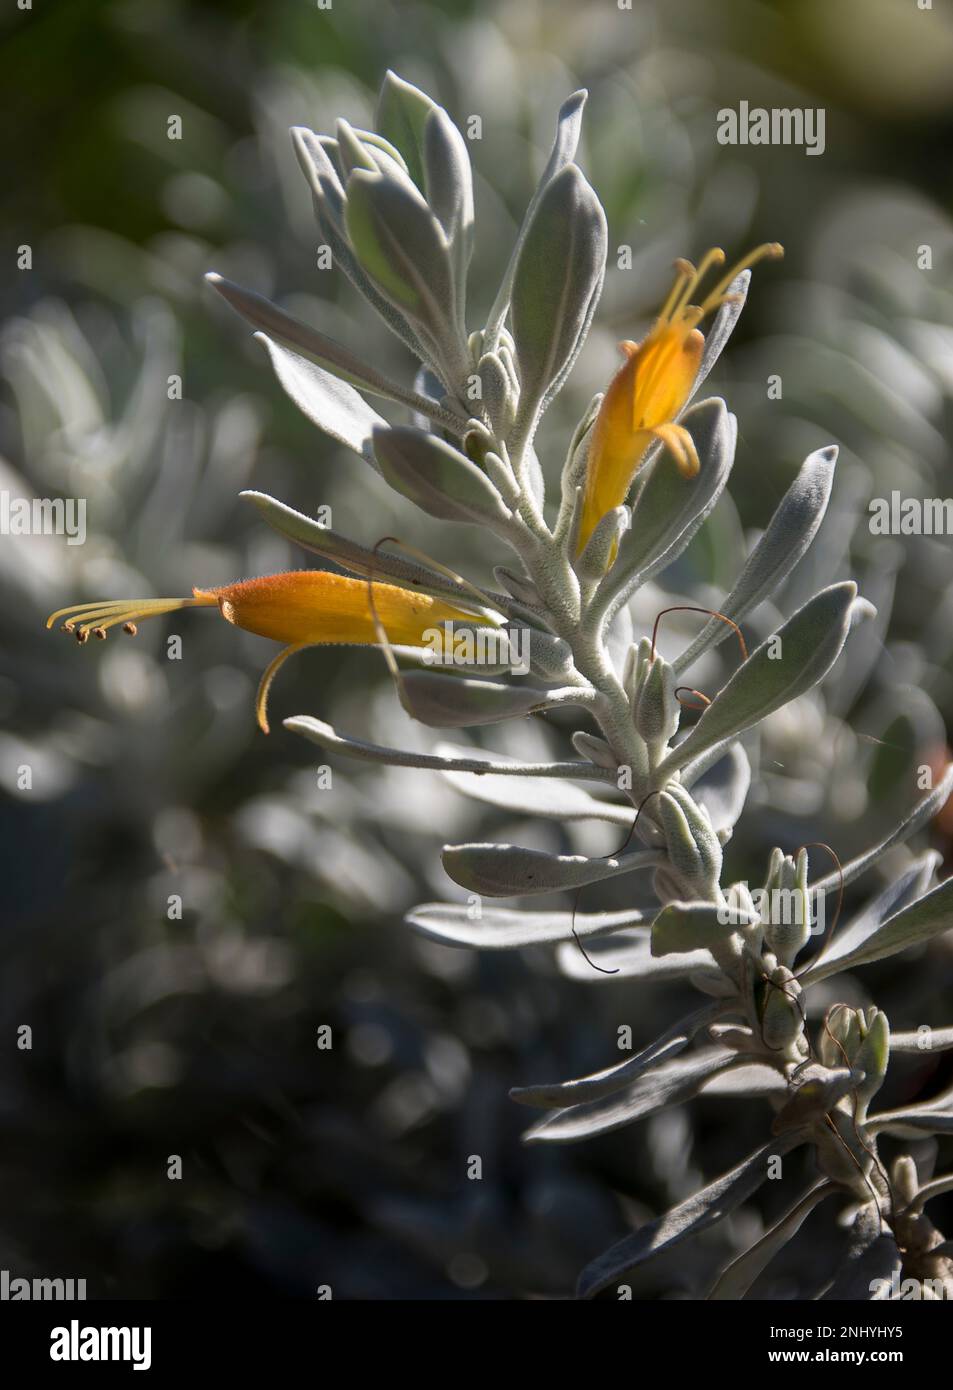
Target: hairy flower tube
x=652 y=387
x=301 y=608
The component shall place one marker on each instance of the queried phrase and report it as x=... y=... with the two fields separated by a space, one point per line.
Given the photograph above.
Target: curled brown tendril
x=604 y=970
x=694 y=608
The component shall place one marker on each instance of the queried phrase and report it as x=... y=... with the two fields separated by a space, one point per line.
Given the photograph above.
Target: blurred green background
x=156 y=1035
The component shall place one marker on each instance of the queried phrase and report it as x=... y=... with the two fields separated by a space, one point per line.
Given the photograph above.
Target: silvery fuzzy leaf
x=912 y=1123
x=633 y=960
x=683 y=927
x=506 y=871
x=402 y=114
x=352 y=154
x=723 y=787
x=665 y=1085
x=924 y=811
x=721 y=330
x=937 y=1188
x=448 y=182
x=605 y=1083
x=499 y=398
x=400 y=244
x=448 y=177
x=697 y=1213
x=596 y=749
x=669 y=509
x=811 y=642
x=555 y=286
x=322 y=174
x=504 y=929
x=519 y=585
x=879 y=1263
x=359 y=559
x=563 y=152
x=539 y=798
x=919 y=921
x=330 y=403
x=934 y=1040
x=789 y=533
x=748 y=1081
x=329 y=204
x=327 y=737
x=436 y=476
x=906 y=888
x=737 y=1279
x=327 y=353
x=456 y=702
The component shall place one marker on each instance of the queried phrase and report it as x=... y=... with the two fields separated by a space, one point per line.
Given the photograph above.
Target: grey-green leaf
x=789 y=533
x=669 y=509
x=401 y=246
x=741 y=1273
x=505 y=929
x=605 y=1083
x=568 y=126
x=558 y=276
x=665 y=1085
x=539 y=798
x=932 y=1040
x=317 y=731
x=683 y=927
x=330 y=403
x=923 y=812
x=505 y=871
x=906 y=888
x=436 y=476
x=359 y=559
x=402 y=112
x=690 y=1217
x=922 y=920
x=455 y=702
x=328 y=354
x=632 y=959
x=773 y=675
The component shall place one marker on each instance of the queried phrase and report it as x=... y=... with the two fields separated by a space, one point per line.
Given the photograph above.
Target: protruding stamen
x=130 y=628
x=85 y=618
x=767 y=250
x=684 y=279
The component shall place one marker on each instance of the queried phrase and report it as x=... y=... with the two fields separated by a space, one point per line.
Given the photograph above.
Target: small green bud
x=786 y=910
x=655 y=707
x=782 y=1018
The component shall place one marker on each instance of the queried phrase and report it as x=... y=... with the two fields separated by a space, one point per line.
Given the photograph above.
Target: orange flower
x=303 y=608
x=650 y=389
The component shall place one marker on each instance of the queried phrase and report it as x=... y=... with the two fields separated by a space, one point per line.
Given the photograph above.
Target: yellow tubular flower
x=303 y=608
x=650 y=389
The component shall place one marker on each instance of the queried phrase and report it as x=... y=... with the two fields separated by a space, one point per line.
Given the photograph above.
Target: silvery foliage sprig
x=396 y=208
